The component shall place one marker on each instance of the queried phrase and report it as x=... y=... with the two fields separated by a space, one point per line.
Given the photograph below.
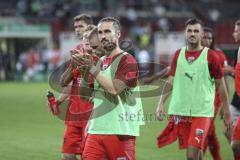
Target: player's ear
x=118 y=33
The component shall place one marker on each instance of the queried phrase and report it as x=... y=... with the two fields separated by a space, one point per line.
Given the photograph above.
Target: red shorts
x=236 y=131
x=73 y=140
x=110 y=147
x=193 y=132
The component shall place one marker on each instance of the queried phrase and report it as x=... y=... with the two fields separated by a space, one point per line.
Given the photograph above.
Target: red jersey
x=79 y=109
x=222 y=57
x=127 y=70
x=236 y=131
x=223 y=62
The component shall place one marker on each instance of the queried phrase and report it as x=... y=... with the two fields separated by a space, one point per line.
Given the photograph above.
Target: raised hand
x=84 y=62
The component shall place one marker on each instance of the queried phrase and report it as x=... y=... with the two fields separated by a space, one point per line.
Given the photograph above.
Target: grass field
x=29 y=132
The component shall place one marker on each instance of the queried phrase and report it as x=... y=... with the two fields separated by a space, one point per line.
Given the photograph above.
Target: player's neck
x=192 y=47
x=115 y=52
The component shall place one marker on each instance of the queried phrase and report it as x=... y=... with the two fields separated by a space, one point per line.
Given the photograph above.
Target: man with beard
x=236 y=133
x=117 y=113
x=194 y=73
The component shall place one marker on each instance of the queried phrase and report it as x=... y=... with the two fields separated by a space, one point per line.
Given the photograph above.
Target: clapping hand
x=83 y=62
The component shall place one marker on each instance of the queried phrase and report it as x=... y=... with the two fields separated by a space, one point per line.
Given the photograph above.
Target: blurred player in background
x=71 y=80
x=209 y=41
x=212 y=140
x=236 y=133
x=195 y=71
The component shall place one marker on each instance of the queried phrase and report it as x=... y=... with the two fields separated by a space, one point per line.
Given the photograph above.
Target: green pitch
x=29 y=132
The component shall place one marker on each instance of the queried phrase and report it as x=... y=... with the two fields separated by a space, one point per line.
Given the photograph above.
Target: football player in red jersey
x=115 y=75
x=193 y=68
x=212 y=140
x=236 y=133
x=79 y=109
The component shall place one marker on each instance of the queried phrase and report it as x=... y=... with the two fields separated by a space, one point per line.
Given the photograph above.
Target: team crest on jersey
x=190 y=59
x=104 y=66
x=106 y=62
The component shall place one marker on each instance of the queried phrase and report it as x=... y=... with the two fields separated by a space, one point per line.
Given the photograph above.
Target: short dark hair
x=84 y=17
x=193 y=21
x=207 y=29
x=237 y=23
x=210 y=30
x=116 y=23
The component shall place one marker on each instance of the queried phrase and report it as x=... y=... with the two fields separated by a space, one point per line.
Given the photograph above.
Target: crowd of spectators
x=140 y=19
